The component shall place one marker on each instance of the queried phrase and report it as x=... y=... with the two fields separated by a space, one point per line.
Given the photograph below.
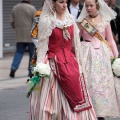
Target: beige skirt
x=49 y=103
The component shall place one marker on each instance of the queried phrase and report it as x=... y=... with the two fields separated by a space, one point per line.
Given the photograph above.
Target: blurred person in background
x=21 y=20
x=34 y=31
x=75 y=7
x=116 y=22
x=112 y=22
x=34 y=35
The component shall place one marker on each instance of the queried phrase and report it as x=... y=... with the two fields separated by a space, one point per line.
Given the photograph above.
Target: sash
x=90 y=29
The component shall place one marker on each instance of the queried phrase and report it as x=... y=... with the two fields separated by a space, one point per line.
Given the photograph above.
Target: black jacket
x=115 y=24
x=79 y=11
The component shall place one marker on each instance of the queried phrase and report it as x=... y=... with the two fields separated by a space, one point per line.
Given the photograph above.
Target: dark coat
x=79 y=11
x=115 y=24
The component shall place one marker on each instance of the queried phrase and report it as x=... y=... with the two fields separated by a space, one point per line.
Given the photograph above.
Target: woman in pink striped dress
x=62 y=96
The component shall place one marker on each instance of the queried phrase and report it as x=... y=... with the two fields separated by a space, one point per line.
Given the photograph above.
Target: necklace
x=93 y=17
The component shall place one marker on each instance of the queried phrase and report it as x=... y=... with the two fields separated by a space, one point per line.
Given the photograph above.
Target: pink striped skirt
x=50 y=103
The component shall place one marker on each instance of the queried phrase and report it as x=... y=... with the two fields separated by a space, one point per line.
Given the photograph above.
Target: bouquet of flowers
x=116 y=66
x=39 y=71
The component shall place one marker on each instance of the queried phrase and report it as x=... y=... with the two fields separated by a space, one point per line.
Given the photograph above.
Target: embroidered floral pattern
x=100 y=79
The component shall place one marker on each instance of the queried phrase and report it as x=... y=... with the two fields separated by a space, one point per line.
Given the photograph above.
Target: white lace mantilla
x=101 y=26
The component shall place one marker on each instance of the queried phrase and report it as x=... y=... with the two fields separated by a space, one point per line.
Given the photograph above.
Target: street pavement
x=13 y=102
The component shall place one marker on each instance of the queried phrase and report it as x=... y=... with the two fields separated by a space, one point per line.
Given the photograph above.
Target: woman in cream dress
x=101 y=83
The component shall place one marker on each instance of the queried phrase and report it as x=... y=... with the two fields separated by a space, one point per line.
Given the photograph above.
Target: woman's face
x=60 y=6
x=91 y=7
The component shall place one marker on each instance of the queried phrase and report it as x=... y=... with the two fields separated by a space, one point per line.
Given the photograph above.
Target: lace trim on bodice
x=64 y=26
x=60 y=24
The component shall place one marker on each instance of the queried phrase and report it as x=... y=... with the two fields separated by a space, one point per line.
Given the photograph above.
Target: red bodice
x=67 y=69
x=59 y=46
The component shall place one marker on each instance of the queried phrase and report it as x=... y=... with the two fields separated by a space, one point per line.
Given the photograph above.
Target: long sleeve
x=111 y=41
x=44 y=31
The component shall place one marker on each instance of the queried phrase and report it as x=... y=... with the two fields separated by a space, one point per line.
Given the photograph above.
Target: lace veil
x=107 y=13
x=47 y=23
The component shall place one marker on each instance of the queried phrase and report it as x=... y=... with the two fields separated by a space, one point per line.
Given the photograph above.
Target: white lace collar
x=102 y=25
x=64 y=24
x=61 y=24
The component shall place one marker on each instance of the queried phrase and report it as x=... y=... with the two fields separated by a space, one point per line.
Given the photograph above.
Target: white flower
x=116 y=67
x=42 y=68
